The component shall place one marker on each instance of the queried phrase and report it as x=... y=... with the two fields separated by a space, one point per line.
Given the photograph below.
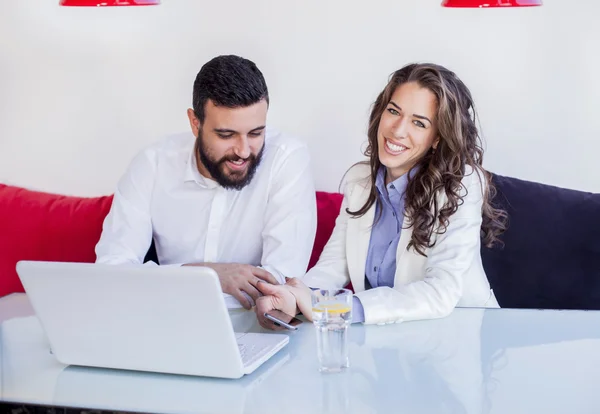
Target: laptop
x=158 y=319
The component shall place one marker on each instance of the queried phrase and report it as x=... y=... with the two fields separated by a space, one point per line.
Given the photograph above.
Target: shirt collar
x=398 y=185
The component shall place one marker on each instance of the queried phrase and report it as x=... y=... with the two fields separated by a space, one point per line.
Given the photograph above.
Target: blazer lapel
x=405 y=236
x=357 y=242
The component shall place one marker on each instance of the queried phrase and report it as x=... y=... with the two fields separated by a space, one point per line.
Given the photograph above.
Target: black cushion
x=551 y=253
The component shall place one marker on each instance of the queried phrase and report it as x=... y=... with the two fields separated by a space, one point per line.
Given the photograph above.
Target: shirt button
x=375 y=268
x=394 y=213
x=392 y=187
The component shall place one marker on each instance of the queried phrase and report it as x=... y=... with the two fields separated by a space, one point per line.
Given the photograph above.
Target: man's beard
x=227 y=178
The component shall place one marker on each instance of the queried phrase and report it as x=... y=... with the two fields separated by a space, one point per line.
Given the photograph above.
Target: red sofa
x=42 y=226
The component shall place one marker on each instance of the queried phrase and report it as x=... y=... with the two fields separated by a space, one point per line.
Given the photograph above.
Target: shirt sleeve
x=358 y=312
x=127 y=229
x=290 y=218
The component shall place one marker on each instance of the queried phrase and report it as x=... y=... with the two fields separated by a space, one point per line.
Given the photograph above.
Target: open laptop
x=158 y=319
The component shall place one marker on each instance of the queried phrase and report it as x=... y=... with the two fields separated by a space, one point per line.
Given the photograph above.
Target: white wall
x=82 y=90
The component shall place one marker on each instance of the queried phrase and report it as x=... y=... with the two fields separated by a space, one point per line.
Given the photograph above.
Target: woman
x=409 y=231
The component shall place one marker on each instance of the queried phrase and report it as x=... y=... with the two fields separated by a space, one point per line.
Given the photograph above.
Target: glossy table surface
x=474 y=361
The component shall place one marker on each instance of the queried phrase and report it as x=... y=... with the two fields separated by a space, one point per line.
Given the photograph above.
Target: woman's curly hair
x=442 y=169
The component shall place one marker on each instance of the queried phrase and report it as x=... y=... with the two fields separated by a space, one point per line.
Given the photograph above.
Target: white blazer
x=424 y=287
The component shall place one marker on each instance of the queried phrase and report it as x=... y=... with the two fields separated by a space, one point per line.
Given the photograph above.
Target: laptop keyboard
x=251 y=351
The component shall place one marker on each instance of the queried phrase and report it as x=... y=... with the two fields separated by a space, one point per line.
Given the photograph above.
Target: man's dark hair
x=229 y=81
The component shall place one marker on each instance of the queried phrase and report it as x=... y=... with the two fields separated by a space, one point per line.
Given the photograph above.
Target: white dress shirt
x=269 y=223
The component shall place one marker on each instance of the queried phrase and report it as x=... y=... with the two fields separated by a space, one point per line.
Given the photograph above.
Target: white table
x=474 y=361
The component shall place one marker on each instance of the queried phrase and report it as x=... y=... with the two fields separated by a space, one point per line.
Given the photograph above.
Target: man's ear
x=194 y=122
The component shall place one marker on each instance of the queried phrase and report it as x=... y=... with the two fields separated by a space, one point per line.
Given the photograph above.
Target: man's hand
x=239 y=278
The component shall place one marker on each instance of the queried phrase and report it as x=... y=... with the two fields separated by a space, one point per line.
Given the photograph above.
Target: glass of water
x=332 y=315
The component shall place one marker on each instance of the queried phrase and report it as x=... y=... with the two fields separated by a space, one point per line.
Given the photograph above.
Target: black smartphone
x=283 y=319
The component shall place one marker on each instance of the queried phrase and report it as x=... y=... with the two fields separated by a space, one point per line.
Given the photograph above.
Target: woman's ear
x=435 y=143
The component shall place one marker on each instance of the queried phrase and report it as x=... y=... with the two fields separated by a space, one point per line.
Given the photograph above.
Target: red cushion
x=43 y=226
x=328 y=208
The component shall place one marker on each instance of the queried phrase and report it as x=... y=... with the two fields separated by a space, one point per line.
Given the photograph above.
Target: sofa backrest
x=550 y=258
x=41 y=226
x=551 y=253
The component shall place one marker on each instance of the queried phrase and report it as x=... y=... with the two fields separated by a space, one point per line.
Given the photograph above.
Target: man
x=235 y=196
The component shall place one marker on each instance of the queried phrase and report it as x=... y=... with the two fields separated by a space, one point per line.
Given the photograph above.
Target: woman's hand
x=302 y=293
x=276 y=297
x=291 y=298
